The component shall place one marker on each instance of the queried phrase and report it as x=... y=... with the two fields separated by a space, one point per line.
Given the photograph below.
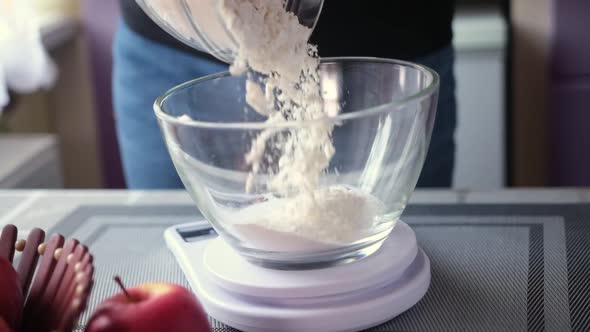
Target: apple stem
x=120 y=283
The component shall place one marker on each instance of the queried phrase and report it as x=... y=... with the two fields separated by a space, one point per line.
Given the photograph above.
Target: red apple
x=11 y=295
x=151 y=307
x=3 y=326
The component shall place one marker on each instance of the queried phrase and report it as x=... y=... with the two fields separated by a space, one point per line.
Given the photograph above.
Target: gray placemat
x=494 y=267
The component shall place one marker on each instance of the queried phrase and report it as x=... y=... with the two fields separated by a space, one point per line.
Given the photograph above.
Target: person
x=148 y=61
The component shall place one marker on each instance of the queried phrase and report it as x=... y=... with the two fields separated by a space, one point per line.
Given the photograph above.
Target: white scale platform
x=348 y=297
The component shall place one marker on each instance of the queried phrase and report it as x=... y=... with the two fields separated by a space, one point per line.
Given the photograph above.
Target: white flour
x=333 y=216
x=286 y=87
x=274 y=45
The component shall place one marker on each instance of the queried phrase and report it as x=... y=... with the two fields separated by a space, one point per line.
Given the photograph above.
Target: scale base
x=348 y=297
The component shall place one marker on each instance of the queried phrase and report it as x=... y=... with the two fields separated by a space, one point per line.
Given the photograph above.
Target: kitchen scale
x=348 y=297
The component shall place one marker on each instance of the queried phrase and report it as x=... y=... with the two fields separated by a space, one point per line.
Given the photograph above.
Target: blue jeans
x=144 y=69
x=440 y=161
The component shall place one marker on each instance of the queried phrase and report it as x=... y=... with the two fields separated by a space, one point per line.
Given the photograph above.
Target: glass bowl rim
x=257 y=125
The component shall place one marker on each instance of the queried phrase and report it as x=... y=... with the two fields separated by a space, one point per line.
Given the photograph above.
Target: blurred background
x=523 y=91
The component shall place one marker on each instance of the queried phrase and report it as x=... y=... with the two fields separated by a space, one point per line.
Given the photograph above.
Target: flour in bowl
x=331 y=217
x=284 y=85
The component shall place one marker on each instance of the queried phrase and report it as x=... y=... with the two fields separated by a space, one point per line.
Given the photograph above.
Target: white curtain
x=24 y=64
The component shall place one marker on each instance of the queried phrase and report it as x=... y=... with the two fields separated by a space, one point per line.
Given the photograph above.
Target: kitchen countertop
x=33 y=161
x=511 y=260
x=43 y=208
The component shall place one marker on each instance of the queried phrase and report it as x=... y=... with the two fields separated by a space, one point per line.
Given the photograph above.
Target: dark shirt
x=400 y=29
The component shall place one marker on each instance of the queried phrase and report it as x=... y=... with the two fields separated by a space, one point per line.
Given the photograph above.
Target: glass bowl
x=386 y=111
